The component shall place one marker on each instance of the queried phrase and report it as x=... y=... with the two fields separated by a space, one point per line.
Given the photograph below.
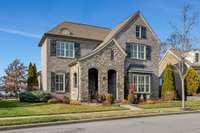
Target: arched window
x=75 y=80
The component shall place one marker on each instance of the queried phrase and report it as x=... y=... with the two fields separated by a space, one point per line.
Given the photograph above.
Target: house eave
x=45 y=35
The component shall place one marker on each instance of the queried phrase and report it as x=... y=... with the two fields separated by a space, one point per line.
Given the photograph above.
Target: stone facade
x=103 y=63
x=127 y=35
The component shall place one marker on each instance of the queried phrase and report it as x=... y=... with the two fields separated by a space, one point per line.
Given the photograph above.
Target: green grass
x=80 y=116
x=13 y=108
x=171 y=104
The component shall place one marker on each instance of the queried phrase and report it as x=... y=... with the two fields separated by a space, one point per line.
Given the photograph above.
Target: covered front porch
x=101 y=72
x=87 y=84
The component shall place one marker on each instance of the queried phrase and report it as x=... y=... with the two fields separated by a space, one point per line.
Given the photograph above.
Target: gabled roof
x=78 y=30
x=122 y=25
x=110 y=37
x=98 y=49
x=103 y=45
x=176 y=53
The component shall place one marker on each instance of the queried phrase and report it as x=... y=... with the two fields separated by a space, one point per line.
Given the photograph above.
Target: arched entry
x=112 y=83
x=93 y=83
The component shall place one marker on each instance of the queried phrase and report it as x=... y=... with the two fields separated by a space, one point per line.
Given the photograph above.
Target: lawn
x=81 y=116
x=13 y=108
x=171 y=104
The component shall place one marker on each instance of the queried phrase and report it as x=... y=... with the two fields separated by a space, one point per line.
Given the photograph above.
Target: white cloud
x=20 y=33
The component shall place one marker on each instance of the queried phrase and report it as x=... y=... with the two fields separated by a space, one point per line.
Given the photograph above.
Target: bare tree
x=15 y=77
x=182 y=39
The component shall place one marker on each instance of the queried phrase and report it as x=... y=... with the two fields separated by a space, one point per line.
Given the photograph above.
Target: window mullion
x=145 y=83
x=137 y=51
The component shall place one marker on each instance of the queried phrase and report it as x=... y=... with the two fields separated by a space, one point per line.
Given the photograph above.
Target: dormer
x=65 y=31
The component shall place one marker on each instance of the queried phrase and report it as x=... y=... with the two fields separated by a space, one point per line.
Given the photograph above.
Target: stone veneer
x=103 y=63
x=127 y=35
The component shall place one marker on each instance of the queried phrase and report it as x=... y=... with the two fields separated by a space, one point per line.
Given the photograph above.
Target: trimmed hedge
x=34 y=96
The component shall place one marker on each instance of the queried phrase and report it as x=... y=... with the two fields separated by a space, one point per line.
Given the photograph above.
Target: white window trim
x=59 y=91
x=137 y=52
x=140 y=31
x=137 y=87
x=66 y=43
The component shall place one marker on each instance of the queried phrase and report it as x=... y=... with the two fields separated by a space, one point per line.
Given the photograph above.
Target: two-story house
x=81 y=60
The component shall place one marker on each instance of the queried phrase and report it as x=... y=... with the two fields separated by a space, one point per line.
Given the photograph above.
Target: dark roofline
x=77 y=23
x=45 y=35
x=81 y=24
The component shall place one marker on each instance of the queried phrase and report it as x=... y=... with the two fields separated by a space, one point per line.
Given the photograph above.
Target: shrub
x=191 y=82
x=124 y=102
x=54 y=100
x=75 y=103
x=101 y=98
x=34 y=96
x=168 y=88
x=131 y=94
x=109 y=99
x=66 y=100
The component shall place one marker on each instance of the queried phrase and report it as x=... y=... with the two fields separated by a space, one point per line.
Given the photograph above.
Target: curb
x=4 y=128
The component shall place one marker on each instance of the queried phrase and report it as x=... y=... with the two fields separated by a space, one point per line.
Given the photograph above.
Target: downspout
x=78 y=84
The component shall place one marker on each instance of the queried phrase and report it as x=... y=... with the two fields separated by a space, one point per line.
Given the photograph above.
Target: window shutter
x=53 y=82
x=67 y=82
x=148 y=52
x=77 y=50
x=128 y=49
x=53 y=48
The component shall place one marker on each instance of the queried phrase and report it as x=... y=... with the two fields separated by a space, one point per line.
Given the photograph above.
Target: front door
x=93 y=83
x=112 y=83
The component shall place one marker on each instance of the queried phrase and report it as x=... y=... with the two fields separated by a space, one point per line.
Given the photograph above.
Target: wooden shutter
x=148 y=52
x=53 y=82
x=128 y=49
x=77 y=50
x=53 y=48
x=67 y=82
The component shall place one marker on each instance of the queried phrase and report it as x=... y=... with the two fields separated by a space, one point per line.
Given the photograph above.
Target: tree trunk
x=183 y=93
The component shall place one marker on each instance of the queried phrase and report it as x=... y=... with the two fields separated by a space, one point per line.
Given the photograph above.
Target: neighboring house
x=82 y=61
x=173 y=57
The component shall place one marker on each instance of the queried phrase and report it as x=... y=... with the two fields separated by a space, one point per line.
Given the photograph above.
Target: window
x=65 y=31
x=60 y=82
x=75 y=80
x=138 y=51
x=137 y=31
x=141 y=82
x=196 y=57
x=65 y=49
x=140 y=32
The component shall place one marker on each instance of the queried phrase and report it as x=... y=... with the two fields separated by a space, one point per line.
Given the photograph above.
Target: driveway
x=188 y=123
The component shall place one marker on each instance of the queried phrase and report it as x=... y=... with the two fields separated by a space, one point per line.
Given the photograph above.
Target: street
x=188 y=123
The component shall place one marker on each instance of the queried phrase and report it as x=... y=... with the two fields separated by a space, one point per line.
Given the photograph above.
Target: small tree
x=191 y=81
x=35 y=76
x=32 y=77
x=168 y=88
x=183 y=39
x=15 y=77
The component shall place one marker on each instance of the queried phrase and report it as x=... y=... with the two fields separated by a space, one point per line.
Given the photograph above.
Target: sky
x=22 y=22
